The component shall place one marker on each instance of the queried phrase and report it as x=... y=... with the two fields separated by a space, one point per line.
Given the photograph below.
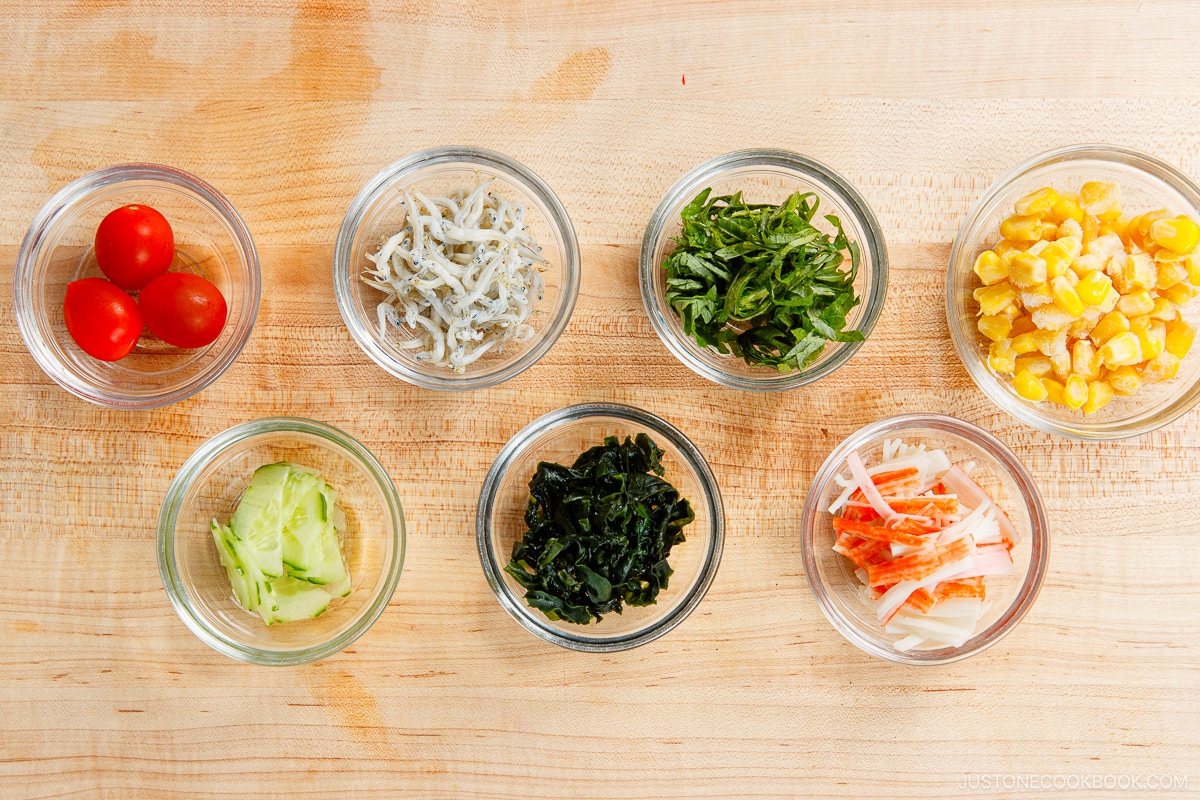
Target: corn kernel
x=1051 y=343
x=1100 y=394
x=1125 y=380
x=1113 y=323
x=1066 y=297
x=1120 y=350
x=1180 y=234
x=1180 y=293
x=1029 y=386
x=1047 y=230
x=1058 y=260
x=1162 y=368
x=1164 y=309
x=1091 y=229
x=1105 y=248
x=1036 y=296
x=1054 y=390
x=1092 y=287
x=1099 y=198
x=1038 y=202
x=1075 y=392
x=1082 y=327
x=1151 y=335
x=989 y=269
x=1027 y=271
x=1117 y=227
x=1072 y=244
x=1012 y=311
x=1001 y=357
x=1060 y=364
x=1066 y=207
x=1038 y=365
x=1138 y=272
x=1135 y=304
x=1069 y=228
x=1084 y=264
x=1008 y=246
x=995 y=327
x=1021 y=228
x=1170 y=274
x=1025 y=343
x=1192 y=263
x=1180 y=336
x=1085 y=360
x=1022 y=324
x=993 y=299
x=1110 y=301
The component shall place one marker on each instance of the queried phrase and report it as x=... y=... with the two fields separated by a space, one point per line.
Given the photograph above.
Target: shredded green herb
x=758 y=280
x=599 y=532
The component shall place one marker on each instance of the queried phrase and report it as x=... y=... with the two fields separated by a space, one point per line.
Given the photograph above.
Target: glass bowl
x=1146 y=184
x=561 y=436
x=210 y=484
x=210 y=240
x=997 y=470
x=764 y=176
x=377 y=213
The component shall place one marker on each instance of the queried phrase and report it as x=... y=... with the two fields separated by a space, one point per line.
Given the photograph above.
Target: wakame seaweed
x=599 y=531
x=760 y=281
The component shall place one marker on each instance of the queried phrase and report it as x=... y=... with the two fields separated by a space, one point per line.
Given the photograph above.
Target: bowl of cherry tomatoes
x=136 y=286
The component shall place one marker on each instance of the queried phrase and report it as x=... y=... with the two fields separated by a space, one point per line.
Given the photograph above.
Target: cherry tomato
x=103 y=320
x=183 y=309
x=134 y=245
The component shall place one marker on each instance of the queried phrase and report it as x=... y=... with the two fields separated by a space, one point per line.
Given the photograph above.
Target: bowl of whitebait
x=456 y=268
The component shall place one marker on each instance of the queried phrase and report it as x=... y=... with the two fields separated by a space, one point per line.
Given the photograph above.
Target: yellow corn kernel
x=1164 y=309
x=1192 y=264
x=1161 y=368
x=1029 y=386
x=1138 y=272
x=1100 y=198
x=1066 y=297
x=1027 y=271
x=1054 y=390
x=1051 y=343
x=1060 y=364
x=1012 y=311
x=1180 y=336
x=1151 y=334
x=1037 y=365
x=1180 y=293
x=1009 y=246
x=1110 y=300
x=1100 y=394
x=1117 y=227
x=1069 y=228
x=1135 y=304
x=995 y=327
x=1082 y=265
x=1072 y=244
x=1085 y=360
x=1110 y=325
x=1165 y=256
x=1092 y=287
x=1170 y=273
x=1022 y=324
x=1038 y=202
x=1048 y=230
x=1036 y=296
x=989 y=269
x=1121 y=350
x=1021 y=229
x=1082 y=327
x=1126 y=380
x=1052 y=317
x=1075 y=392
x=1180 y=234
x=1066 y=207
x=1058 y=260
x=1091 y=229
x=1025 y=343
x=1001 y=357
x=993 y=299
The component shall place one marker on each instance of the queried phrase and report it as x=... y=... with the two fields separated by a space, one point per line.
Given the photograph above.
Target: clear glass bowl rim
x=35 y=238
x=964 y=342
x=343 y=259
x=710 y=171
x=169 y=570
x=1039 y=532
x=495 y=477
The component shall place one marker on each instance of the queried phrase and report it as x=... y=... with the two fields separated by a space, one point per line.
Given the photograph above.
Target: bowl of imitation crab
x=456 y=268
x=624 y=537
x=763 y=270
x=943 y=554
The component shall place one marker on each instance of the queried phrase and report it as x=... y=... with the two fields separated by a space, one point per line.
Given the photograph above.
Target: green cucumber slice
x=260 y=516
x=296 y=599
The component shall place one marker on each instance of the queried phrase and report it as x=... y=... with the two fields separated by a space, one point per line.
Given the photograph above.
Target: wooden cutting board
x=288 y=109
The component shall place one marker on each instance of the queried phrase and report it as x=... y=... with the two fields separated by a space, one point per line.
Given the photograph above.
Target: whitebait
x=463 y=276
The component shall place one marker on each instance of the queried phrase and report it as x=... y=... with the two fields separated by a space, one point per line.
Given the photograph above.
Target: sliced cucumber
x=304 y=528
x=243 y=589
x=260 y=516
x=296 y=599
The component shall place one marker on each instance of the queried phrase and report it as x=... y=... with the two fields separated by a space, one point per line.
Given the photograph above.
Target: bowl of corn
x=1071 y=291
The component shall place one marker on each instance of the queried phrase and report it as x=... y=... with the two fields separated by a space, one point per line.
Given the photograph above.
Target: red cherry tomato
x=134 y=245
x=103 y=320
x=183 y=309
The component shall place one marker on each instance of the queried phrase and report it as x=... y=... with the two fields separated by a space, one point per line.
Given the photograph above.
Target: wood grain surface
x=288 y=108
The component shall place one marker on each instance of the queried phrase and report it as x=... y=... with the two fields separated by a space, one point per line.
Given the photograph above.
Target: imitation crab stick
x=924 y=537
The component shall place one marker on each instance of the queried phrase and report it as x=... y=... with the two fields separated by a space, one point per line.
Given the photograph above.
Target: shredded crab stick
x=462 y=275
x=922 y=536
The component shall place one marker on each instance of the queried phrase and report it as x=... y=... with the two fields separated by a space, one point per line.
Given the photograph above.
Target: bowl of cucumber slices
x=280 y=541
